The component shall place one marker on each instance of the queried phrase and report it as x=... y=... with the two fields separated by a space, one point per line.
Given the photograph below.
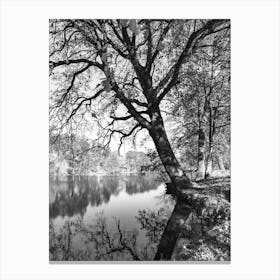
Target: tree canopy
x=97 y=66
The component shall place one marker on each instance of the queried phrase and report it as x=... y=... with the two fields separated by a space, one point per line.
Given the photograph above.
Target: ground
x=206 y=233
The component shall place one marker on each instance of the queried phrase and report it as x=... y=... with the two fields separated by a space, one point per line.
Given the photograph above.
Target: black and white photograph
x=139 y=140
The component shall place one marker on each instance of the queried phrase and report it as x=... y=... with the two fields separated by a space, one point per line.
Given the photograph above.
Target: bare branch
x=71 y=84
x=54 y=64
x=125 y=118
x=222 y=125
x=150 y=42
x=74 y=111
x=139 y=103
x=127 y=103
x=153 y=57
x=65 y=41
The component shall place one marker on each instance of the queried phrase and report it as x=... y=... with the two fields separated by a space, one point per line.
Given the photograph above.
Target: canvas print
x=139 y=140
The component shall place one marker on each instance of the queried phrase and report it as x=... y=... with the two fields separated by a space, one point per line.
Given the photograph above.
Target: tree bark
x=221 y=163
x=209 y=167
x=208 y=171
x=173 y=168
x=201 y=155
x=211 y=121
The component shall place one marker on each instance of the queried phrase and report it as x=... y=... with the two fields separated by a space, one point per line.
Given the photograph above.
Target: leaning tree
x=99 y=66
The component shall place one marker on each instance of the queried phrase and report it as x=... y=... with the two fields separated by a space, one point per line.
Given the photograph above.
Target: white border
x=24 y=138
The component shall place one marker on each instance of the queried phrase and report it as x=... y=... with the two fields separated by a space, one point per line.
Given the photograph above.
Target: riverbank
x=206 y=233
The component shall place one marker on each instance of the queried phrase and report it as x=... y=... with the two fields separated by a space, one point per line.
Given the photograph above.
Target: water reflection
x=73 y=196
x=139 y=184
x=78 y=232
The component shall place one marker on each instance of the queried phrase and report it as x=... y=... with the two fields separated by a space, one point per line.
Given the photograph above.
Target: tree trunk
x=179 y=181
x=221 y=163
x=209 y=168
x=201 y=155
x=208 y=171
x=177 y=175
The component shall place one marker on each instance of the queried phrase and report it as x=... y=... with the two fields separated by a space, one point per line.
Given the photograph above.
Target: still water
x=115 y=197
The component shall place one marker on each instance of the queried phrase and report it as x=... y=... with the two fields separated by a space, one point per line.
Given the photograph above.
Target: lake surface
x=113 y=197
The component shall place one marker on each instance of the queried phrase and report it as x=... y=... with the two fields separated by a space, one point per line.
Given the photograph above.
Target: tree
x=112 y=163
x=80 y=155
x=201 y=105
x=137 y=63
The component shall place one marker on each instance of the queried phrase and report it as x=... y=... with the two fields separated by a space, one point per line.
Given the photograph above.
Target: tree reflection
x=108 y=245
x=153 y=222
x=61 y=243
x=73 y=197
x=140 y=184
x=205 y=235
x=106 y=242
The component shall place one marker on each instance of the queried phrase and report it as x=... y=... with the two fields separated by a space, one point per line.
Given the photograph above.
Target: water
x=113 y=197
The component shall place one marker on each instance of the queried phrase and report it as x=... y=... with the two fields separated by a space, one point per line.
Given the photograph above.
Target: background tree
x=201 y=107
x=71 y=154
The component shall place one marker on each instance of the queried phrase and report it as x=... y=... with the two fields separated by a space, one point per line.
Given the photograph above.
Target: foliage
x=135 y=161
x=71 y=154
x=153 y=222
x=202 y=101
x=154 y=164
x=206 y=234
x=74 y=155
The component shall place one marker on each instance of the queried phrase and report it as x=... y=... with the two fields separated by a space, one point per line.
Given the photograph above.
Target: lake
x=99 y=203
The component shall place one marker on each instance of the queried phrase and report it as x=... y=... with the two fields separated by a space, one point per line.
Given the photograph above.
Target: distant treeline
x=76 y=155
x=73 y=155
